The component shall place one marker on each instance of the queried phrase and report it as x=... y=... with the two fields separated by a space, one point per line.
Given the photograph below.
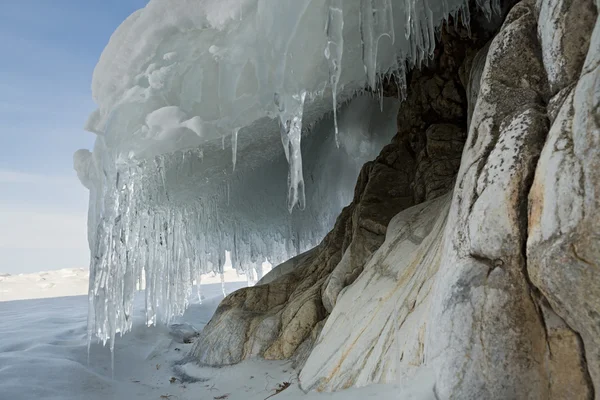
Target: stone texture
x=462 y=297
x=486 y=284
x=438 y=162
x=563 y=247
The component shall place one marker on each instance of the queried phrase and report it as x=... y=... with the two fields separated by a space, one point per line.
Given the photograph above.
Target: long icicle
x=334 y=53
x=234 y=143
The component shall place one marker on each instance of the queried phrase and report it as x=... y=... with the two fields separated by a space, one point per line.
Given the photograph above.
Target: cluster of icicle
x=136 y=231
x=143 y=239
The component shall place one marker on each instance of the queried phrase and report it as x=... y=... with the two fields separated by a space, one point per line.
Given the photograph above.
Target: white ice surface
x=43 y=356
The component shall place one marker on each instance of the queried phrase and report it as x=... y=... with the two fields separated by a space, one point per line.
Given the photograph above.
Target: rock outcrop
x=280 y=317
x=495 y=286
x=563 y=246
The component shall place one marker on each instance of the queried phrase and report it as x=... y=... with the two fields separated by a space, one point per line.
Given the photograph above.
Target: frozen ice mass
x=196 y=99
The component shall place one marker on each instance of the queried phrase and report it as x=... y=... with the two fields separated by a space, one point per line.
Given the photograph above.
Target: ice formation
x=177 y=78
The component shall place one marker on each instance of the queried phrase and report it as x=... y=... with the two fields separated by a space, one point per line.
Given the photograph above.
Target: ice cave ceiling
x=195 y=99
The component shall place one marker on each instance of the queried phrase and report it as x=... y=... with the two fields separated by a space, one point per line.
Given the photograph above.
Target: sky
x=48 y=51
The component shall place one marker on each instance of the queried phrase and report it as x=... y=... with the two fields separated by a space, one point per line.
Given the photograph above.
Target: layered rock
x=494 y=287
x=469 y=302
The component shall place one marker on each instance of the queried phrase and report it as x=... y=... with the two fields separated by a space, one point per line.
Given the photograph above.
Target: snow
x=177 y=78
x=43 y=355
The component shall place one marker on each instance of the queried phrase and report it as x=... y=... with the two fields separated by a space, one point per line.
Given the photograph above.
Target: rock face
x=563 y=247
x=494 y=287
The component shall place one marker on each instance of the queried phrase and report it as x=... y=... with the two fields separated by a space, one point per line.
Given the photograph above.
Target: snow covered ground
x=43 y=355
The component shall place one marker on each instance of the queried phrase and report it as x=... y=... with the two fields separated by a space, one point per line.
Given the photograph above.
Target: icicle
x=496 y=7
x=112 y=358
x=376 y=21
x=446 y=10
x=284 y=136
x=234 y=141
x=408 y=10
x=334 y=52
x=291 y=136
x=223 y=142
x=223 y=284
x=466 y=17
x=250 y=277
x=199 y=288
x=484 y=5
x=380 y=94
x=430 y=29
x=259 y=269
x=160 y=162
x=367 y=39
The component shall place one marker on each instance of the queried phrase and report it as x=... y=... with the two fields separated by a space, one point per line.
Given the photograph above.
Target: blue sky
x=48 y=50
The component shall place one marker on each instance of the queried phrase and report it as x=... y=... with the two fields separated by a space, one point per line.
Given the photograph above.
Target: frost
x=167 y=195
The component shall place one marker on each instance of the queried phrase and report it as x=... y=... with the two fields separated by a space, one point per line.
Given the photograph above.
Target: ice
x=234 y=138
x=167 y=198
x=334 y=52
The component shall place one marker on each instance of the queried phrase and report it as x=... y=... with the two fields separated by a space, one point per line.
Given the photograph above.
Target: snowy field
x=43 y=355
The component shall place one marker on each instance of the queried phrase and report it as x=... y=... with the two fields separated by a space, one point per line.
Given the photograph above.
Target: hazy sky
x=48 y=50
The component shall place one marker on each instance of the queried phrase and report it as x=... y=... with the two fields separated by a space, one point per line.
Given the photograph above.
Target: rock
x=451 y=289
x=438 y=162
x=563 y=247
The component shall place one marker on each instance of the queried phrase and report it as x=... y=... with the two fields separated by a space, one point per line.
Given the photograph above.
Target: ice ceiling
x=195 y=100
